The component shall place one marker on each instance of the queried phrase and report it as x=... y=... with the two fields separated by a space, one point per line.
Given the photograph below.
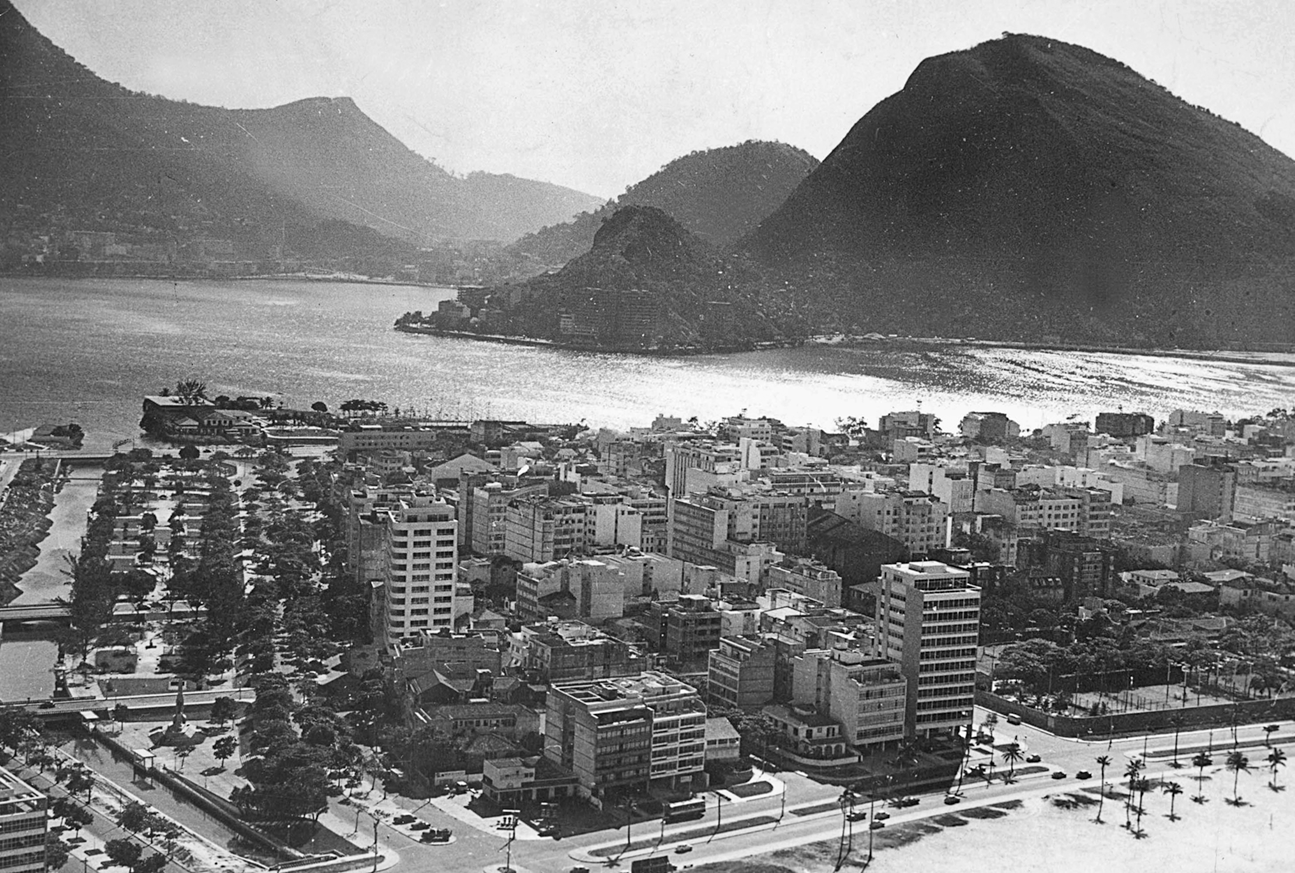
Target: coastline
x=263 y=277
x=1234 y=356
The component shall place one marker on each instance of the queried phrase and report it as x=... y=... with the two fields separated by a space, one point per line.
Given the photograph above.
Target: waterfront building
x=1207 y=490
x=929 y=616
x=989 y=427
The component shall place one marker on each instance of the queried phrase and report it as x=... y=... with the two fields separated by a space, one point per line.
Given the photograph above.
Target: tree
x=223 y=709
x=80 y=779
x=1276 y=758
x=1103 y=761
x=1237 y=763
x=77 y=817
x=154 y=863
x=1200 y=761
x=1268 y=732
x=134 y=817
x=189 y=452
x=1141 y=785
x=1012 y=754
x=1131 y=772
x=16 y=725
x=56 y=852
x=190 y=391
x=1173 y=789
x=224 y=749
x=320 y=406
x=123 y=852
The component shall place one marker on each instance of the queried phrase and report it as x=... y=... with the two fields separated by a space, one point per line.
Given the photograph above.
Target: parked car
x=404 y=819
x=1058 y=775
x=1083 y=774
x=881 y=816
x=683 y=850
x=877 y=825
x=419 y=826
x=1013 y=719
x=1032 y=759
x=951 y=799
x=857 y=816
x=436 y=835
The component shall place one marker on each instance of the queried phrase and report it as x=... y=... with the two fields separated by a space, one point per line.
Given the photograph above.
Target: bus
x=685 y=809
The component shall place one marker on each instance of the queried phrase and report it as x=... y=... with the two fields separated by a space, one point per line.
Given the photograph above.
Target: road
x=477 y=848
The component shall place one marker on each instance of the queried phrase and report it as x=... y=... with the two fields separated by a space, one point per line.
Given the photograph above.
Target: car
x=682 y=850
x=877 y=825
x=881 y=816
x=436 y=835
x=1032 y=759
x=578 y=870
x=404 y=819
x=1083 y=774
x=1058 y=775
x=906 y=802
x=951 y=799
x=857 y=816
x=1013 y=719
x=419 y=826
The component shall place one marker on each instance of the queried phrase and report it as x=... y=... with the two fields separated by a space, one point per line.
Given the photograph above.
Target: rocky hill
x=90 y=153
x=1028 y=188
x=718 y=194
x=646 y=284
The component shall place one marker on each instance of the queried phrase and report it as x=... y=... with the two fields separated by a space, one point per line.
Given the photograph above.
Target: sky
x=598 y=94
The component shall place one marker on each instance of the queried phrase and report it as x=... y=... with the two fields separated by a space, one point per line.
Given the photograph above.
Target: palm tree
x=1103 y=761
x=1173 y=789
x=1177 y=722
x=1276 y=758
x=1237 y=762
x=1268 y=732
x=1200 y=761
x=1141 y=785
x=1131 y=773
x=1013 y=754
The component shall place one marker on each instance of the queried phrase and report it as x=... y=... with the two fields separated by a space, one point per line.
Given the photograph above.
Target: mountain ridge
x=313 y=159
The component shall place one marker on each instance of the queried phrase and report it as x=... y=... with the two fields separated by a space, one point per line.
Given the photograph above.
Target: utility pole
x=510 y=817
x=375 y=844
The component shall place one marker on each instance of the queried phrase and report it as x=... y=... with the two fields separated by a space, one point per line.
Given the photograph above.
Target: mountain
x=88 y=152
x=718 y=194
x=1027 y=188
x=646 y=283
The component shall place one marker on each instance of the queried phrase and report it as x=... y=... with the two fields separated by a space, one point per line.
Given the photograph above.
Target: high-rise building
x=539 y=528
x=424 y=556
x=488 y=510
x=619 y=736
x=929 y=616
x=23 y=826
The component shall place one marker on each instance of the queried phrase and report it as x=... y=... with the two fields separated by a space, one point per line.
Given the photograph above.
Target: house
x=723 y=742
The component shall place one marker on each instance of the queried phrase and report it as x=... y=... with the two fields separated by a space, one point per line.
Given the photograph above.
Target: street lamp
x=510 y=818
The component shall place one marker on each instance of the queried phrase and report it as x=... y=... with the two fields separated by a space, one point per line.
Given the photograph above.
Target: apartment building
x=620 y=736
x=23 y=826
x=421 y=584
x=572 y=651
x=740 y=672
x=1086 y=511
x=690 y=628
x=914 y=518
x=584 y=588
x=929 y=616
x=864 y=693
x=489 y=513
x=809 y=577
x=539 y=528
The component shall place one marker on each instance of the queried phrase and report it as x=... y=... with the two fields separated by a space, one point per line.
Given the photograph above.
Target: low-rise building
x=740 y=672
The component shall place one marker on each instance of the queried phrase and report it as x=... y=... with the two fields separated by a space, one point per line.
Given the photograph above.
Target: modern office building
x=23 y=826
x=928 y=615
x=620 y=736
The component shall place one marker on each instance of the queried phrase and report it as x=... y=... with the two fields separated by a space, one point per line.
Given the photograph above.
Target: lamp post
x=375 y=844
x=510 y=816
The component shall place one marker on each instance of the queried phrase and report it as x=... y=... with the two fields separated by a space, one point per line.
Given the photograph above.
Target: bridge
x=59 y=612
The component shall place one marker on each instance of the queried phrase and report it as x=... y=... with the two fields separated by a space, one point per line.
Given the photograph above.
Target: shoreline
x=1233 y=356
x=263 y=277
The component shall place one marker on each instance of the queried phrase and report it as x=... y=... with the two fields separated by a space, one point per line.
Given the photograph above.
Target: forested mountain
x=1027 y=187
x=90 y=154
x=718 y=194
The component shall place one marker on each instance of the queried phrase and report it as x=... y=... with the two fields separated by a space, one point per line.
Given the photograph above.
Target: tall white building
x=928 y=618
x=424 y=553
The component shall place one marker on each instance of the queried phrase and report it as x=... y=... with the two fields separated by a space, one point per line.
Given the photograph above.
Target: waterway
x=48 y=578
x=87 y=350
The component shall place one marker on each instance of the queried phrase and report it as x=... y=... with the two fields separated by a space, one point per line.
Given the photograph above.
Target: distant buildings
x=989 y=427
x=1124 y=424
x=914 y=518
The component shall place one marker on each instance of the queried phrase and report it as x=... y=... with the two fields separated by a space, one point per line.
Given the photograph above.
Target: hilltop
x=720 y=195
x=83 y=153
x=647 y=283
x=1027 y=188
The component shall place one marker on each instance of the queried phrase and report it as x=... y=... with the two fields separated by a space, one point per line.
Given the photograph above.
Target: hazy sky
x=599 y=94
